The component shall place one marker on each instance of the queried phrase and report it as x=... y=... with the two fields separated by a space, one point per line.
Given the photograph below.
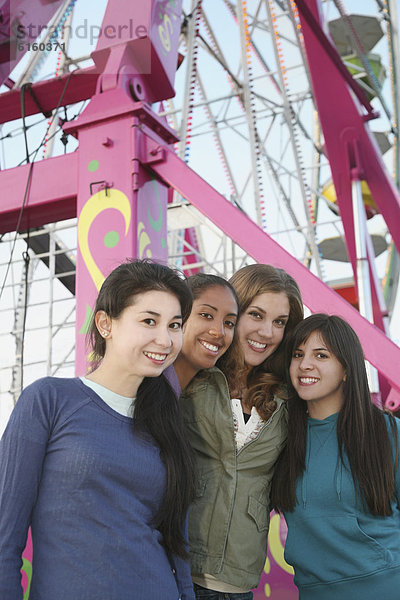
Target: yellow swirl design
x=165 y=31
x=27 y=567
x=97 y=204
x=276 y=546
x=144 y=241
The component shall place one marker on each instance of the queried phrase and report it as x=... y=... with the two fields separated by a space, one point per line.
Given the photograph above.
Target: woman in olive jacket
x=236 y=417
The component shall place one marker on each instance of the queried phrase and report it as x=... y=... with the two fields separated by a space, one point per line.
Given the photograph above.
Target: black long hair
x=157 y=413
x=201 y=282
x=156 y=407
x=361 y=427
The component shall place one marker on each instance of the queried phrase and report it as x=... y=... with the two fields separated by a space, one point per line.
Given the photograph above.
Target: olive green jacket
x=229 y=519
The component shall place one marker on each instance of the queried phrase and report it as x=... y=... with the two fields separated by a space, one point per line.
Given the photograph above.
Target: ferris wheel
x=249 y=123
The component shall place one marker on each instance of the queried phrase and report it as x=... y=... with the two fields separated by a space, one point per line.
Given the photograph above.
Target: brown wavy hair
x=267 y=379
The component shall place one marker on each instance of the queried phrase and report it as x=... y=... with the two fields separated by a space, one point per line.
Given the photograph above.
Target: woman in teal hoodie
x=338 y=480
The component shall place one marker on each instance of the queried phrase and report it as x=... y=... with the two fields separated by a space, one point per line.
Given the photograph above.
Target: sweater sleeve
x=182 y=573
x=22 y=451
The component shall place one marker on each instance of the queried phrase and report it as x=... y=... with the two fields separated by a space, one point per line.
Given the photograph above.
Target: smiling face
x=262 y=325
x=142 y=341
x=317 y=376
x=208 y=332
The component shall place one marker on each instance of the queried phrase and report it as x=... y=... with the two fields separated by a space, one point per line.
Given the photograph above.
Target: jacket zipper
x=236 y=478
x=236 y=461
x=234 y=496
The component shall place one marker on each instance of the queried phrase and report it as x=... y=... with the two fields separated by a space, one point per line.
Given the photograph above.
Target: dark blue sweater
x=74 y=470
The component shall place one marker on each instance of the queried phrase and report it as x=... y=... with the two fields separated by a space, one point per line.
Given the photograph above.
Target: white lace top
x=245 y=432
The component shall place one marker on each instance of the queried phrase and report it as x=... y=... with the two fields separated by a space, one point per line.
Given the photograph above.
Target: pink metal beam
x=81 y=86
x=334 y=55
x=352 y=150
x=52 y=191
x=150 y=38
x=379 y=349
x=121 y=208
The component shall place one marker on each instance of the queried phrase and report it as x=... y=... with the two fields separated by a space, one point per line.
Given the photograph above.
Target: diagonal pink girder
x=351 y=148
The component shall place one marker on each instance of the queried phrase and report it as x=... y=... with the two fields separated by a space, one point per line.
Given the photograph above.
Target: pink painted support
x=26 y=570
x=277 y=578
x=51 y=197
x=121 y=208
x=379 y=350
x=149 y=37
x=72 y=87
x=352 y=151
x=349 y=142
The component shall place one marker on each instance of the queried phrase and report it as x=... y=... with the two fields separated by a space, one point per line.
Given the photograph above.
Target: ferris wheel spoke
x=293 y=135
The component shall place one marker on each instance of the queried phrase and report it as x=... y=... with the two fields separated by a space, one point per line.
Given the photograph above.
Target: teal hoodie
x=337 y=549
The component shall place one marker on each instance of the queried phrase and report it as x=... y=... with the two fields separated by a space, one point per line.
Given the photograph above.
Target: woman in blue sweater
x=338 y=479
x=98 y=466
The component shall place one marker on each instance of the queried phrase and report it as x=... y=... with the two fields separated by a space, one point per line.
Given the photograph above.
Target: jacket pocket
x=259 y=512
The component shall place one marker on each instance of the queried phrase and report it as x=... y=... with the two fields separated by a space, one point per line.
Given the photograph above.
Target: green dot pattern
x=111 y=239
x=93 y=166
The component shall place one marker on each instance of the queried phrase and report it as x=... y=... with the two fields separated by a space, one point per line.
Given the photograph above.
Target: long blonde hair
x=267 y=379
